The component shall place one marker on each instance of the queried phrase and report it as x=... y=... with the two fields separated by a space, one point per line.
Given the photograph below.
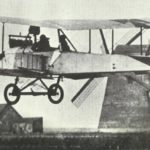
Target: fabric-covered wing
x=81 y=24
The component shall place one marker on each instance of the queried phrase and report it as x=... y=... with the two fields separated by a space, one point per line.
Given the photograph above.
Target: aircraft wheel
x=55 y=96
x=12 y=94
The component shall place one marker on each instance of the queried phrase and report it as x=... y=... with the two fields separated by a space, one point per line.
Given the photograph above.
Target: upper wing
x=81 y=24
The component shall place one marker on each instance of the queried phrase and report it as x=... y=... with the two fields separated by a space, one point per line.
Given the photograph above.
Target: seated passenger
x=64 y=45
x=42 y=45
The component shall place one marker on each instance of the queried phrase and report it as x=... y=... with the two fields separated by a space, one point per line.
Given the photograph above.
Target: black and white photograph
x=74 y=75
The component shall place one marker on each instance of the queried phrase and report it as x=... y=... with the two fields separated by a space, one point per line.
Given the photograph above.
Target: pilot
x=64 y=45
x=42 y=45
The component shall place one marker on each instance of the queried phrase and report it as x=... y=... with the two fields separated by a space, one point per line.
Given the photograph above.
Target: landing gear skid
x=12 y=92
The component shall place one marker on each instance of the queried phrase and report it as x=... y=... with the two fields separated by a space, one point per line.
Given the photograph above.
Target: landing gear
x=12 y=92
x=55 y=94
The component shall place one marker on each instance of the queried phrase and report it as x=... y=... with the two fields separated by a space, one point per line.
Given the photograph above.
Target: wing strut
x=3 y=30
x=3 y=34
x=89 y=40
x=134 y=38
x=112 y=40
x=61 y=32
x=141 y=40
x=104 y=41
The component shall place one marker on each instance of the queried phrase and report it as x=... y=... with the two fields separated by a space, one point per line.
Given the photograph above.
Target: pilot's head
x=43 y=37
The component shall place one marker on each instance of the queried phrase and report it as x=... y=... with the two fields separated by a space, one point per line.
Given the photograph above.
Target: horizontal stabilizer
x=85 y=91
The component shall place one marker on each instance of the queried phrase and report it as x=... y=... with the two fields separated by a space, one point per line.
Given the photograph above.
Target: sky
x=77 y=9
x=66 y=115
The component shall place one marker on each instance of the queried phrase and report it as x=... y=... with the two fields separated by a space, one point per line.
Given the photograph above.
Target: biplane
x=64 y=61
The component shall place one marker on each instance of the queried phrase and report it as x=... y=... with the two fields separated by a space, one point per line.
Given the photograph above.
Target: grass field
x=76 y=140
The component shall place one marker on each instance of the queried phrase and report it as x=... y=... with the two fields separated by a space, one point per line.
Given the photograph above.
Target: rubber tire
x=61 y=92
x=6 y=97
